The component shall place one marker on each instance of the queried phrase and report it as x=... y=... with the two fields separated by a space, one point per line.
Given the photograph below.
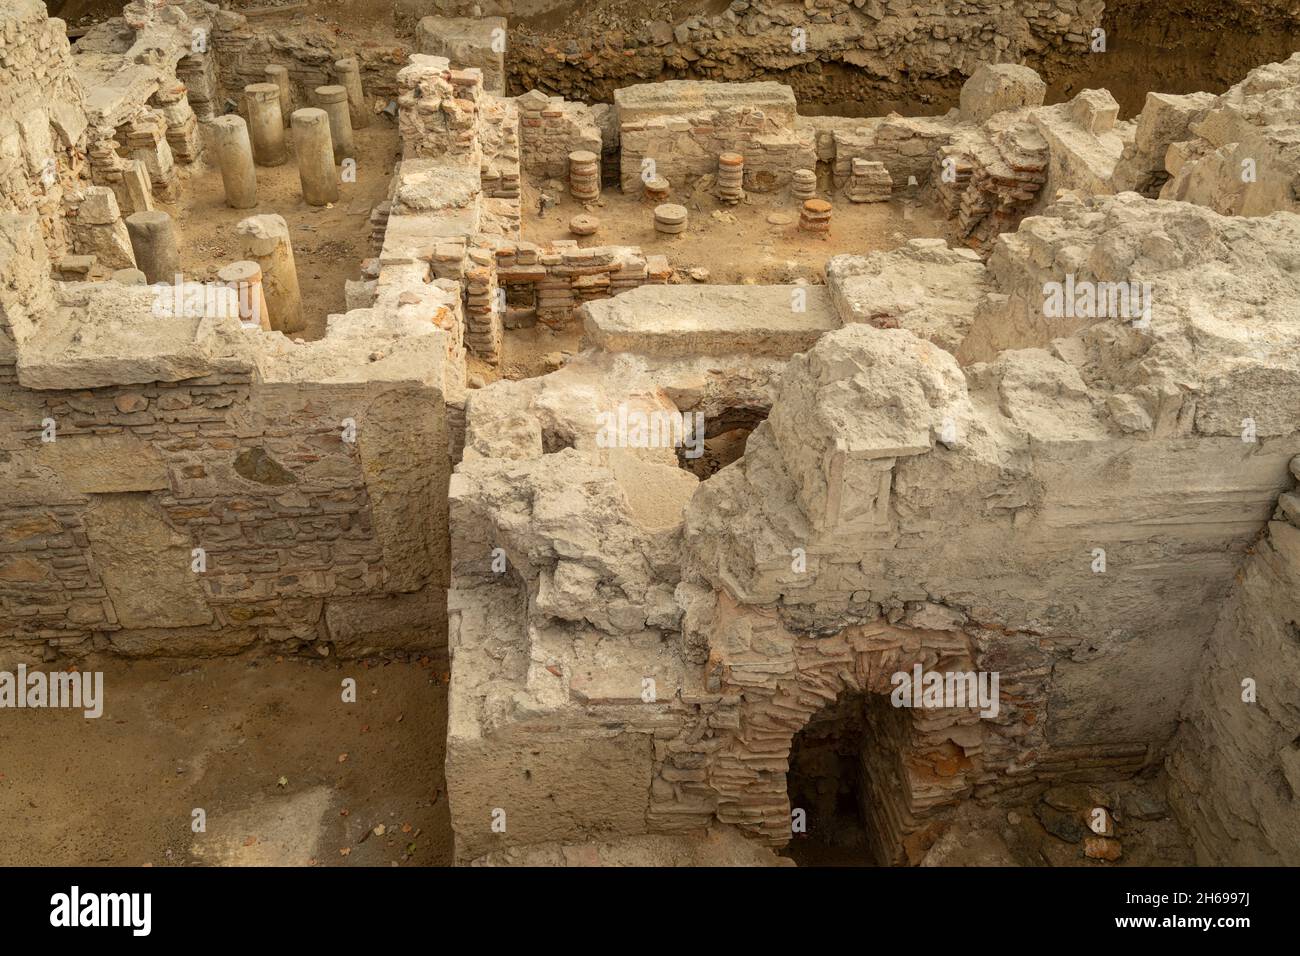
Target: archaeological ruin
x=751 y=433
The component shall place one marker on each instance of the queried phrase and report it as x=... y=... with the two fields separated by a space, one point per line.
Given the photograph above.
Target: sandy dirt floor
x=287 y=773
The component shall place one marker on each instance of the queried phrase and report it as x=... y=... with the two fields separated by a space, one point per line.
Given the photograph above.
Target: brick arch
x=781 y=680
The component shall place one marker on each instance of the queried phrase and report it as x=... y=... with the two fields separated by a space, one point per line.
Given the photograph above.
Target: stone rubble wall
x=906 y=146
x=686 y=148
x=1071 y=444
x=551 y=128
x=1235 y=764
x=854 y=51
x=42 y=119
x=244 y=48
x=1241 y=156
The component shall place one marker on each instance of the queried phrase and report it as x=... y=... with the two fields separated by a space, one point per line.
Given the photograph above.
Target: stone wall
x=244 y=48
x=675 y=635
x=179 y=485
x=42 y=118
x=1235 y=764
x=1241 y=153
x=680 y=129
x=551 y=128
x=880 y=54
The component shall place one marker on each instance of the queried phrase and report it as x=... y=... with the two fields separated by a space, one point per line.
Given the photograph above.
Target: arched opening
x=846 y=776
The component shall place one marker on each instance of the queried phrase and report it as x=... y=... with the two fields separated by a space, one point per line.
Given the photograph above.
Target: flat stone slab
x=685 y=320
x=113 y=334
x=645 y=101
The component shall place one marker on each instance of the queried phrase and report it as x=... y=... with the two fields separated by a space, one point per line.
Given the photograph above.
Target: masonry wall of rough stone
x=316 y=494
x=550 y=128
x=245 y=47
x=685 y=148
x=889 y=53
x=42 y=119
x=1235 y=764
x=264 y=483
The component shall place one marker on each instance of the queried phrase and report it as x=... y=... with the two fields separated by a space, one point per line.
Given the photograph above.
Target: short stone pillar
x=804 y=184
x=334 y=101
x=279 y=75
x=235 y=156
x=153 y=240
x=869 y=182
x=731 y=178
x=348 y=72
x=265 y=123
x=815 y=216
x=670 y=219
x=264 y=240
x=584 y=175
x=311 y=143
x=245 y=279
x=655 y=190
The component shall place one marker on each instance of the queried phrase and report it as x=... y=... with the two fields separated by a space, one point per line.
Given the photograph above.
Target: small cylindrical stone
x=311 y=143
x=815 y=216
x=265 y=241
x=348 y=72
x=334 y=101
x=279 y=75
x=245 y=278
x=655 y=190
x=584 y=225
x=584 y=175
x=670 y=219
x=235 y=156
x=153 y=240
x=265 y=123
x=804 y=184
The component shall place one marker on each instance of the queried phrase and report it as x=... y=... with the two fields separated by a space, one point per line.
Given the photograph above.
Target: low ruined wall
x=202 y=497
x=244 y=48
x=550 y=129
x=685 y=148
